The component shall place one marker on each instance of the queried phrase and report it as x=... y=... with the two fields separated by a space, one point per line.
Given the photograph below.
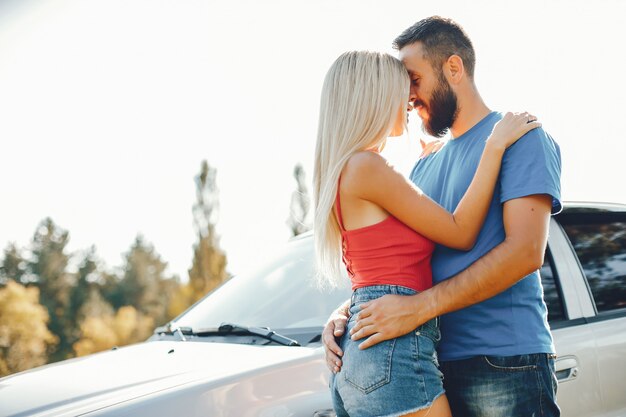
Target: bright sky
x=108 y=107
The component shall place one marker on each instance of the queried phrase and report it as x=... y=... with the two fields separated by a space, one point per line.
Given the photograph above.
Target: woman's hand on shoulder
x=431 y=147
x=510 y=128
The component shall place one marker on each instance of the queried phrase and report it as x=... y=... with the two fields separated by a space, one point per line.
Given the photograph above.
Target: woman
x=385 y=228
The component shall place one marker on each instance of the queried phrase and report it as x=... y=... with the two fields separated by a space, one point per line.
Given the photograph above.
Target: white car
x=219 y=358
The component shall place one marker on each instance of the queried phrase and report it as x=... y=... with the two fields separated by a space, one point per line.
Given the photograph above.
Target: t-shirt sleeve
x=532 y=166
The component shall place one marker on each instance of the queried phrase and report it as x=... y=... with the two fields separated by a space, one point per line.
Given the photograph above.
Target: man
x=496 y=350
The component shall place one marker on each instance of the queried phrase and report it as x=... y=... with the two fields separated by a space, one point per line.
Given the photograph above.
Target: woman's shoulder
x=363 y=162
x=362 y=167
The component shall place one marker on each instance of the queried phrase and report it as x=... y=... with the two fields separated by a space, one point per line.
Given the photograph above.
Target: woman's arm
x=371 y=178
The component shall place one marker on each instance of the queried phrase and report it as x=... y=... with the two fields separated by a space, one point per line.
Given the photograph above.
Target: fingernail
x=336 y=369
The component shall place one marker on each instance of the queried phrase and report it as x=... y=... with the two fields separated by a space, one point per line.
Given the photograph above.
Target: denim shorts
x=391 y=378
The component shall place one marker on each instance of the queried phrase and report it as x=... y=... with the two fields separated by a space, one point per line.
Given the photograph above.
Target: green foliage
x=84 y=293
x=48 y=266
x=13 y=265
x=144 y=284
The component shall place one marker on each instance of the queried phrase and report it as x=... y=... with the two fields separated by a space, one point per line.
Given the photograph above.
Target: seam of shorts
x=413 y=410
x=418 y=364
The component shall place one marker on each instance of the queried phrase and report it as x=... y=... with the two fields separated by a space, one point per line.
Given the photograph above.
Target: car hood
x=88 y=383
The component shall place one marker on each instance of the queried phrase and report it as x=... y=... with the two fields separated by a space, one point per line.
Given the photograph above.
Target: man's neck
x=472 y=109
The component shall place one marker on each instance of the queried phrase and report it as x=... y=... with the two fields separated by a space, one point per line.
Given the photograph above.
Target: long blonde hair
x=361 y=97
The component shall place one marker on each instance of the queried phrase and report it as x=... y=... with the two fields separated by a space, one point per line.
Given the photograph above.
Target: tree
x=13 y=265
x=104 y=332
x=300 y=204
x=24 y=337
x=208 y=269
x=85 y=294
x=144 y=283
x=48 y=266
x=94 y=306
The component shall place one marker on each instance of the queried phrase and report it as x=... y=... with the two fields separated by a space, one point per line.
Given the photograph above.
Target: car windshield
x=280 y=295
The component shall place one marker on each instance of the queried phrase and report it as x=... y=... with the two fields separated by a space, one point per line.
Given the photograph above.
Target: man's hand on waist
x=334 y=329
x=390 y=316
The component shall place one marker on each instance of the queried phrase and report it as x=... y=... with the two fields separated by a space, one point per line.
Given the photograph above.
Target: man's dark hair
x=441 y=38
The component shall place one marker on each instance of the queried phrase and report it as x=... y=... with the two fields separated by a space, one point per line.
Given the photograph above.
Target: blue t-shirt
x=513 y=322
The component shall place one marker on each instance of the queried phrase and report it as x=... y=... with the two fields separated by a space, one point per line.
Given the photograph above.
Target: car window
x=601 y=249
x=551 y=290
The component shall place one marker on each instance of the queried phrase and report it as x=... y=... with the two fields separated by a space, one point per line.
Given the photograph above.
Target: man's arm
x=526 y=222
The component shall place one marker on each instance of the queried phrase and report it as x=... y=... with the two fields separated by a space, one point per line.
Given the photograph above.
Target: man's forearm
x=498 y=270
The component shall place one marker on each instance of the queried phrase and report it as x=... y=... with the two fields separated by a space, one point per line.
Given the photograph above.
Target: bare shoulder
x=364 y=163
x=361 y=168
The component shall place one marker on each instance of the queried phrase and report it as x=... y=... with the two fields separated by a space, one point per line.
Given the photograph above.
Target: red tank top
x=386 y=253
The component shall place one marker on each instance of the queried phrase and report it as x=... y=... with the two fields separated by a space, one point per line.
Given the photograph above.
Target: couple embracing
x=447 y=315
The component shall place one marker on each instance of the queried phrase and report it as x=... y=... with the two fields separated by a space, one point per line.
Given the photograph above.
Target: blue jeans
x=502 y=386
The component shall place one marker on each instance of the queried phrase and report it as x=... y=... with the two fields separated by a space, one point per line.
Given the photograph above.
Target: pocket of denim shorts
x=515 y=363
x=368 y=369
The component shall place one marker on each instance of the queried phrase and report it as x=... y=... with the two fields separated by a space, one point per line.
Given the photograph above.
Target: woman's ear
x=454 y=69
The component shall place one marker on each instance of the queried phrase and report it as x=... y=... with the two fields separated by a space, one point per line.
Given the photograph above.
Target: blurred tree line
x=50 y=312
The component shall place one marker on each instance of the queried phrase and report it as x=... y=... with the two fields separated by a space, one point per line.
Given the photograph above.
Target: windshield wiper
x=232 y=329
x=235 y=329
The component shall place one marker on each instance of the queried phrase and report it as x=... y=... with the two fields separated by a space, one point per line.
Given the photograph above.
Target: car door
x=578 y=392
x=599 y=241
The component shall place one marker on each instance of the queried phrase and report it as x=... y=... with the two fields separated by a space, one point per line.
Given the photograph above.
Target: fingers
x=425 y=151
x=360 y=323
x=333 y=362
x=371 y=341
x=431 y=147
x=522 y=117
x=520 y=123
x=329 y=340
x=331 y=349
x=364 y=331
x=532 y=125
x=519 y=116
x=339 y=326
x=527 y=121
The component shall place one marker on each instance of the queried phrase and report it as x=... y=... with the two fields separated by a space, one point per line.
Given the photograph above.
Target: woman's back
x=385 y=252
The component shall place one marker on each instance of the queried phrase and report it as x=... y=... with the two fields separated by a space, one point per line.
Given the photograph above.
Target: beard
x=442 y=109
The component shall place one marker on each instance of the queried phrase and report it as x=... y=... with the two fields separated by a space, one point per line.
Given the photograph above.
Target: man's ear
x=454 y=69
